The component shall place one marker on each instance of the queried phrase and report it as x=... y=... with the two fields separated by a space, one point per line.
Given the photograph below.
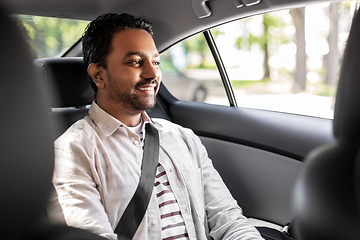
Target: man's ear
x=96 y=73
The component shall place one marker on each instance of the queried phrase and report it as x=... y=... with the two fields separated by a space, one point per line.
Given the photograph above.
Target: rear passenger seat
x=68 y=90
x=69 y=93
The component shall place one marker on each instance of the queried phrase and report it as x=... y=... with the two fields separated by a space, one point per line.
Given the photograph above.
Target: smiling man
x=98 y=159
x=128 y=81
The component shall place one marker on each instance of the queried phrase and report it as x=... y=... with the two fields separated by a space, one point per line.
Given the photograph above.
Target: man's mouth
x=148 y=87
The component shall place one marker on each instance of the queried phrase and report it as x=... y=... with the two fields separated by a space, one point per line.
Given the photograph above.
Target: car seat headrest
x=347 y=106
x=325 y=199
x=67 y=80
x=26 y=155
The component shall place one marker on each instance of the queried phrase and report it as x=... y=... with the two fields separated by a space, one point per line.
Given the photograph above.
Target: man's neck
x=129 y=118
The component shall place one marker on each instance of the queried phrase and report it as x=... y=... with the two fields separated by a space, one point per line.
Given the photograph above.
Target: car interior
x=294 y=176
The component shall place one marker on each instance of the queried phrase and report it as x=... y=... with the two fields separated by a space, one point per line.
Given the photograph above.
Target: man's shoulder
x=76 y=132
x=166 y=126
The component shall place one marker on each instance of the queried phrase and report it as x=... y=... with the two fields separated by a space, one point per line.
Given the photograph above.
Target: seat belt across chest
x=135 y=211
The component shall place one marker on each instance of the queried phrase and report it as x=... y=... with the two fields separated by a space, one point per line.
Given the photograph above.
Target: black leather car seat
x=26 y=156
x=68 y=89
x=26 y=150
x=326 y=200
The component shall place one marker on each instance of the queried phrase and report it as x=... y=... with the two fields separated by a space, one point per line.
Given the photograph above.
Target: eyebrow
x=140 y=54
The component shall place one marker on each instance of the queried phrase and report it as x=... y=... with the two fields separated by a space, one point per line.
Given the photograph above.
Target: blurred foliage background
x=50 y=36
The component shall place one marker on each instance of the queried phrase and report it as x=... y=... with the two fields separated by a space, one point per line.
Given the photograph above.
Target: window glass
x=288 y=60
x=190 y=73
x=50 y=37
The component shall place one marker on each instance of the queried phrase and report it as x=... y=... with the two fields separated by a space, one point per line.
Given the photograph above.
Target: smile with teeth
x=147 y=88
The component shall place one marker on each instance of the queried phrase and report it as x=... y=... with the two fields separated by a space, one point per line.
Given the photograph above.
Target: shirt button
x=154 y=222
x=187 y=210
x=136 y=142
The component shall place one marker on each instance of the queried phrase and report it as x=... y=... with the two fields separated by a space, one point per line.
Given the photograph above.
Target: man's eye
x=156 y=63
x=135 y=62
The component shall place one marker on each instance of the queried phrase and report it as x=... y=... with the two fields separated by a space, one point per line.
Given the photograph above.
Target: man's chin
x=144 y=107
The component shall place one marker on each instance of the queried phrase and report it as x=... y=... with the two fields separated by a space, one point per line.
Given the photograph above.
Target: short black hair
x=98 y=35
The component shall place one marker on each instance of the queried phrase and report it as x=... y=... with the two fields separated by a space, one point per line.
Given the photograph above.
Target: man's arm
x=80 y=201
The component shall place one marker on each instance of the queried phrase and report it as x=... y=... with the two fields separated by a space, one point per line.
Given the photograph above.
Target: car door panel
x=256 y=178
x=258 y=153
x=287 y=134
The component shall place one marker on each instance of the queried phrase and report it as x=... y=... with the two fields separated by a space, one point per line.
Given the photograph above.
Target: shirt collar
x=108 y=124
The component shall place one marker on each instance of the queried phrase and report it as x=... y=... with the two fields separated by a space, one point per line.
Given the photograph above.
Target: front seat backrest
x=26 y=155
x=26 y=150
x=326 y=199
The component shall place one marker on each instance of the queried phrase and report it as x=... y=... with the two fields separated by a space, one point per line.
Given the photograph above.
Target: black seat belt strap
x=135 y=211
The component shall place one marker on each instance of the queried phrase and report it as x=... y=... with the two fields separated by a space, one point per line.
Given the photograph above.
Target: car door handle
x=247 y=3
x=200 y=8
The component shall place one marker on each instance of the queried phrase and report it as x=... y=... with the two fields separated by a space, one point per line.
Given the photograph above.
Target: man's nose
x=151 y=71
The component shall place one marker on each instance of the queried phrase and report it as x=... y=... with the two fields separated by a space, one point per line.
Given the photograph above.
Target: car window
x=50 y=37
x=288 y=60
x=190 y=73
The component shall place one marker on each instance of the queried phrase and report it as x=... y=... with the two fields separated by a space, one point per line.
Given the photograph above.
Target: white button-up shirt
x=98 y=167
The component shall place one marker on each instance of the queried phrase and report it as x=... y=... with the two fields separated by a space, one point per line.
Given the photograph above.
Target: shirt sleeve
x=78 y=200
x=224 y=216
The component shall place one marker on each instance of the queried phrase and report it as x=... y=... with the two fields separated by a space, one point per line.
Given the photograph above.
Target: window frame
x=221 y=68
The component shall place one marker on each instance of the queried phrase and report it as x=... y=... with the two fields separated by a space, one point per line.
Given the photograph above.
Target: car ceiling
x=173 y=20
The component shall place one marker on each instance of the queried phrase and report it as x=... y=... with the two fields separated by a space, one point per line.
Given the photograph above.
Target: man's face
x=132 y=75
